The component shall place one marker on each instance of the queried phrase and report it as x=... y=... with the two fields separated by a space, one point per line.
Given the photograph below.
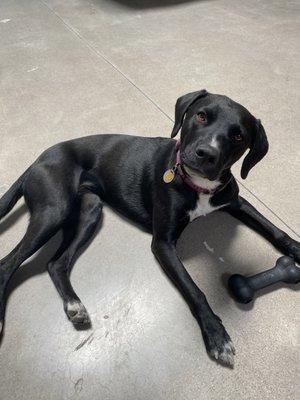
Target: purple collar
x=186 y=179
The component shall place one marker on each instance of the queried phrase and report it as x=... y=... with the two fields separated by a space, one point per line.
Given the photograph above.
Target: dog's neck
x=198 y=180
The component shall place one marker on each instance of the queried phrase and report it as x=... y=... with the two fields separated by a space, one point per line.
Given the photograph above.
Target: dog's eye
x=238 y=137
x=201 y=117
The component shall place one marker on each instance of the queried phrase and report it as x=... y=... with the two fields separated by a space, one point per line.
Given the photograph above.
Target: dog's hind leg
x=43 y=225
x=75 y=237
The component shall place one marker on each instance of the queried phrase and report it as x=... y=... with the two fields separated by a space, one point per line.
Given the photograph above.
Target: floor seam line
x=104 y=58
x=268 y=208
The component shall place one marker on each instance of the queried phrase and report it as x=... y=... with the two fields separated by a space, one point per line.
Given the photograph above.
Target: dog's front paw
x=77 y=313
x=217 y=341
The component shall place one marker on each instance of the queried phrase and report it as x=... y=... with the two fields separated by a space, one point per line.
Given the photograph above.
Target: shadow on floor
x=145 y=4
x=212 y=234
x=37 y=264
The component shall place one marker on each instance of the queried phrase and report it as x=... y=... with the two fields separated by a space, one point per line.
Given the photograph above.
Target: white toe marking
x=74 y=306
x=227 y=358
x=229 y=346
x=226 y=355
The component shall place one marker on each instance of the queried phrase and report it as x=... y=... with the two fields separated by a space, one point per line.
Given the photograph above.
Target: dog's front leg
x=217 y=340
x=245 y=212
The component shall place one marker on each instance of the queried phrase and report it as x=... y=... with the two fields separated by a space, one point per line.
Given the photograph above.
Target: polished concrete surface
x=75 y=67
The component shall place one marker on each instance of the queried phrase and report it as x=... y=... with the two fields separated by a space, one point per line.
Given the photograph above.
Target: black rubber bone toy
x=243 y=288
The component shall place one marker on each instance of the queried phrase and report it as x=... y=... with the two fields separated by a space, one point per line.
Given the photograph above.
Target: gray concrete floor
x=75 y=67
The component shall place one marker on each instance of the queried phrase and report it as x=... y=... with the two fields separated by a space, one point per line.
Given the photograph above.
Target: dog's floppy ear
x=182 y=104
x=258 y=149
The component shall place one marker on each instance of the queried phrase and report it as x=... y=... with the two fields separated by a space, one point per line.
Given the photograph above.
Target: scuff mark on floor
x=221 y=259
x=210 y=249
x=127 y=310
x=32 y=69
x=90 y=341
x=78 y=385
x=89 y=338
x=5 y=21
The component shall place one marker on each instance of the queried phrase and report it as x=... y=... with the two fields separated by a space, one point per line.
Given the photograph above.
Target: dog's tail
x=9 y=199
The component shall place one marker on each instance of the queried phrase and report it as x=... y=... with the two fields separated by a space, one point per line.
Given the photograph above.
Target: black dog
x=158 y=183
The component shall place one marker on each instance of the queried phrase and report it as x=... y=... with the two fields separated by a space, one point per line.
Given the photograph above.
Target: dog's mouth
x=190 y=171
x=190 y=168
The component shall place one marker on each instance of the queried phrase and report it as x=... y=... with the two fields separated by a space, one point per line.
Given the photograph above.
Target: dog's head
x=215 y=133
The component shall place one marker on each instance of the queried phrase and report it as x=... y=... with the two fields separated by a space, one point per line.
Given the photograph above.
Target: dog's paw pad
x=77 y=313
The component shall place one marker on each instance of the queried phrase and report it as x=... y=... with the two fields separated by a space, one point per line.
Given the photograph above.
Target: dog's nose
x=207 y=154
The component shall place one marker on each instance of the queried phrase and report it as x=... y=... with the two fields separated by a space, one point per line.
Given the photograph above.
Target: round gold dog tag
x=168 y=176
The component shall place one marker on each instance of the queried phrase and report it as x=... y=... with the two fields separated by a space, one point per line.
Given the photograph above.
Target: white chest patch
x=203 y=207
